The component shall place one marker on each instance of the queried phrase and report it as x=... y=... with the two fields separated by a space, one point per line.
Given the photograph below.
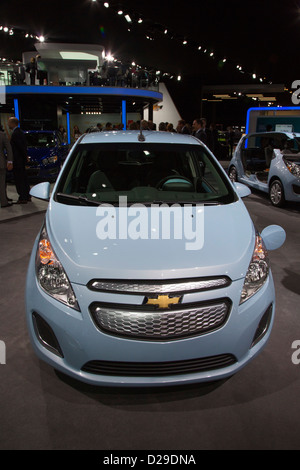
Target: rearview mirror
x=41 y=191
x=273 y=236
x=242 y=189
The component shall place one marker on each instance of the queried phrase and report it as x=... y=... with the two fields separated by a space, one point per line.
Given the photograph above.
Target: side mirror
x=41 y=191
x=273 y=236
x=242 y=189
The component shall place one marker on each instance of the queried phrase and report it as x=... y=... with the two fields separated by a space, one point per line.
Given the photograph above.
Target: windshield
x=40 y=139
x=144 y=173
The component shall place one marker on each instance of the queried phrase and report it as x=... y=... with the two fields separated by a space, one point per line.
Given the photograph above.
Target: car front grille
x=178 y=321
x=149 y=287
x=159 y=369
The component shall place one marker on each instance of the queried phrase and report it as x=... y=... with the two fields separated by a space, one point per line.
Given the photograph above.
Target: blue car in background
x=46 y=153
x=269 y=162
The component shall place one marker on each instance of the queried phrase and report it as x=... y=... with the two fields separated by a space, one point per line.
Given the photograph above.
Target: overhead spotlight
x=224 y=60
x=179 y=78
x=184 y=42
x=211 y=54
x=140 y=20
x=41 y=38
x=11 y=32
x=133 y=64
x=5 y=29
x=120 y=12
x=109 y=58
x=127 y=17
x=199 y=48
x=165 y=31
x=254 y=75
x=106 y=5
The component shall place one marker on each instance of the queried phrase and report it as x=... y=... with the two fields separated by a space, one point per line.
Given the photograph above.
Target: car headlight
x=293 y=168
x=258 y=270
x=49 y=161
x=51 y=275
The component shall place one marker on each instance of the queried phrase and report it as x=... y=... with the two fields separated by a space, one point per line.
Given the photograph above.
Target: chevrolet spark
x=269 y=162
x=148 y=270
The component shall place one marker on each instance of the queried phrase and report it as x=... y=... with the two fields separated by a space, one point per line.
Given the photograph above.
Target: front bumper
x=81 y=342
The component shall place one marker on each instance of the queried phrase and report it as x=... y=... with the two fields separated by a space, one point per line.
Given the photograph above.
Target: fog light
x=263 y=326
x=46 y=335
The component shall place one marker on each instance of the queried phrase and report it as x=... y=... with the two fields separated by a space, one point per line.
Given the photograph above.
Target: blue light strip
x=82 y=90
x=124 y=115
x=68 y=128
x=16 y=108
x=289 y=108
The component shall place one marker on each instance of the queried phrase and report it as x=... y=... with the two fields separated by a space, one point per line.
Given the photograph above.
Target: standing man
x=199 y=132
x=182 y=127
x=6 y=162
x=19 y=149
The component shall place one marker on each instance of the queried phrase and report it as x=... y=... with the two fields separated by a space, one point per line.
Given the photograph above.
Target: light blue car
x=269 y=162
x=148 y=270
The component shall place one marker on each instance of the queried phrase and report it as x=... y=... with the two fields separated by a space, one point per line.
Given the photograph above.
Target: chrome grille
x=156 y=324
x=159 y=287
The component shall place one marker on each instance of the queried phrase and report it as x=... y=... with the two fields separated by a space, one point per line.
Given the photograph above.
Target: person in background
x=170 y=127
x=42 y=75
x=64 y=136
x=100 y=127
x=162 y=127
x=6 y=163
x=199 y=132
x=19 y=149
x=76 y=133
x=108 y=127
x=182 y=127
x=31 y=69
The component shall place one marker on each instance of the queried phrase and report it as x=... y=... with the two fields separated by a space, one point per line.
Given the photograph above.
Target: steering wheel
x=160 y=184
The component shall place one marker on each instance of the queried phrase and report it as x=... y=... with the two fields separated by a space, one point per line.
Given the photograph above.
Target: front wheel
x=233 y=174
x=277 y=193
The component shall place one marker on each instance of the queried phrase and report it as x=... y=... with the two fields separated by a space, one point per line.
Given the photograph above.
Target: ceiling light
x=127 y=17
x=41 y=38
x=106 y=5
x=120 y=12
x=140 y=20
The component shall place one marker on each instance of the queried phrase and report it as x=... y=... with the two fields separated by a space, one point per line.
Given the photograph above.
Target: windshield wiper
x=81 y=200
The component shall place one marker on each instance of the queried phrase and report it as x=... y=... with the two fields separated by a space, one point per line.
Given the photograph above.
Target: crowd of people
x=199 y=129
x=13 y=151
x=110 y=73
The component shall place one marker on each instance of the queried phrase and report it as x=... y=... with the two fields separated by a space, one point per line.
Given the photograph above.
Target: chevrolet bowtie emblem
x=163 y=301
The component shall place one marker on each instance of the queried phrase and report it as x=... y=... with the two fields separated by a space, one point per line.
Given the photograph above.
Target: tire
x=233 y=176
x=276 y=194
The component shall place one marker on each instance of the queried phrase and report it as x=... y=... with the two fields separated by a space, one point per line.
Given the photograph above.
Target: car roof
x=132 y=137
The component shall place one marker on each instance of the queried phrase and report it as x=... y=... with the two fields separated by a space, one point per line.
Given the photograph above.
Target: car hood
x=36 y=153
x=228 y=243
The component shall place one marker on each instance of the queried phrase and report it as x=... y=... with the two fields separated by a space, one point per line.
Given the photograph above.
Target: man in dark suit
x=199 y=132
x=6 y=163
x=19 y=148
